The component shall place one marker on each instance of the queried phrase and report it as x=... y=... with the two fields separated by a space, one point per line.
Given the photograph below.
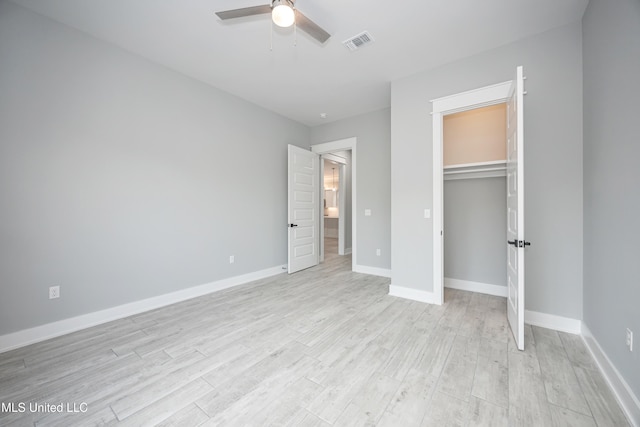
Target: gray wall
x=475 y=230
x=373 y=181
x=553 y=163
x=611 y=33
x=122 y=180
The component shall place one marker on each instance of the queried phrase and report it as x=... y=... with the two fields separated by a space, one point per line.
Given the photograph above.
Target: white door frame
x=342 y=203
x=331 y=147
x=469 y=100
x=342 y=186
x=321 y=215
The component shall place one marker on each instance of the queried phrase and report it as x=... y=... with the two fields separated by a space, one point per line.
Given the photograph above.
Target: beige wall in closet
x=475 y=136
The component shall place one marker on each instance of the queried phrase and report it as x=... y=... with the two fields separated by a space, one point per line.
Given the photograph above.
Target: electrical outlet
x=630 y=339
x=232 y=259
x=54 y=292
x=378 y=252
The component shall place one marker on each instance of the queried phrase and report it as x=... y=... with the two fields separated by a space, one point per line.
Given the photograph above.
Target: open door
x=303 y=210
x=515 y=209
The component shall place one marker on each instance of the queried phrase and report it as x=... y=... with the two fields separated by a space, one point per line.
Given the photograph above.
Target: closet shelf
x=491 y=169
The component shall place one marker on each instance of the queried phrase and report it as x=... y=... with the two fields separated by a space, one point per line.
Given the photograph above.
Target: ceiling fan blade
x=311 y=28
x=245 y=11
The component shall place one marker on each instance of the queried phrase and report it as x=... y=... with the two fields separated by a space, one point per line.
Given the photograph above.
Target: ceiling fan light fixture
x=282 y=13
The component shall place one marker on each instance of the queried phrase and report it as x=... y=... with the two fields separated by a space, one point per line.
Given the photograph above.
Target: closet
x=475 y=219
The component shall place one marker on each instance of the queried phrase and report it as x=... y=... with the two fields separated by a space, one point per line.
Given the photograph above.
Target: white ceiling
x=303 y=81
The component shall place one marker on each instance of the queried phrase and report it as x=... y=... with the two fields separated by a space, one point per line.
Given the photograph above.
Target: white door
x=515 y=209
x=303 y=208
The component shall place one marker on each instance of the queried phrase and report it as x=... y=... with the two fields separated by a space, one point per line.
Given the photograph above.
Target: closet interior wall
x=475 y=212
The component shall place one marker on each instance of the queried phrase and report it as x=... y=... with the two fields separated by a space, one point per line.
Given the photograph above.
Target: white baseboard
x=412 y=294
x=383 y=272
x=482 y=288
x=627 y=399
x=62 y=327
x=544 y=320
x=551 y=321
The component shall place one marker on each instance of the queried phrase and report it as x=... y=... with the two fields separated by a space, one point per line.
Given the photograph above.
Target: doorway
x=490 y=95
x=474 y=202
x=342 y=152
x=336 y=193
x=512 y=94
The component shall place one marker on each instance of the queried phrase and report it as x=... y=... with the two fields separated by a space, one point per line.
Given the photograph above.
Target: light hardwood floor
x=321 y=347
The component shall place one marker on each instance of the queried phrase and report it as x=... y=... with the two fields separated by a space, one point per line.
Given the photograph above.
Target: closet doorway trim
x=464 y=101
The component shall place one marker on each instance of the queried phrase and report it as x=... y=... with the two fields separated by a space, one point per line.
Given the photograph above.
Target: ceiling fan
x=283 y=13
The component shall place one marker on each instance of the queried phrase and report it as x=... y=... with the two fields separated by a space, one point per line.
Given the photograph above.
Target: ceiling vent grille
x=358 y=41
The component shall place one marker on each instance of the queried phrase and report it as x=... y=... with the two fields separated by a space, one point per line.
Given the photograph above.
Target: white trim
x=438 y=209
x=412 y=294
x=335 y=158
x=328 y=148
x=482 y=288
x=551 y=321
x=375 y=271
x=476 y=98
x=471 y=99
x=338 y=145
x=628 y=400
x=321 y=231
x=73 y=324
x=342 y=203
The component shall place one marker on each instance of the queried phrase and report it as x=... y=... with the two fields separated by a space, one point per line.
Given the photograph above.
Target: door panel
x=303 y=208
x=515 y=209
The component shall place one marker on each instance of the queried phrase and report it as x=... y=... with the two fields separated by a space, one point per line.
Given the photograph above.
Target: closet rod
x=475 y=170
x=476 y=164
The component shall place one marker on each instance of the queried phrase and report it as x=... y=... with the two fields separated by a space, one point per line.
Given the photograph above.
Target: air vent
x=358 y=41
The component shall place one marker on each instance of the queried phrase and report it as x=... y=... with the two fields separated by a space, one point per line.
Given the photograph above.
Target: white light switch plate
x=427 y=213
x=367 y=212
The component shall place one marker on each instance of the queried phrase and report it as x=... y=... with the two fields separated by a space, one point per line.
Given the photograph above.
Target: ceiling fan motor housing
x=282 y=13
